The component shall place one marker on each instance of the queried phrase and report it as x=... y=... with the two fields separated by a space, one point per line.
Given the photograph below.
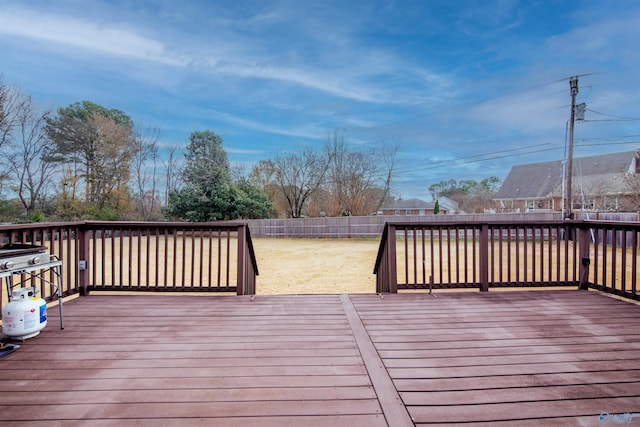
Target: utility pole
x=573 y=85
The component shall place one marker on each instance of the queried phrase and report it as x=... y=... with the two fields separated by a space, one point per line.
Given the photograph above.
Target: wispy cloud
x=308 y=132
x=490 y=18
x=243 y=151
x=316 y=78
x=84 y=34
x=444 y=79
x=356 y=77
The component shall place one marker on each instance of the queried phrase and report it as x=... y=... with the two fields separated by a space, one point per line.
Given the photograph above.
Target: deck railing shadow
x=483 y=255
x=148 y=256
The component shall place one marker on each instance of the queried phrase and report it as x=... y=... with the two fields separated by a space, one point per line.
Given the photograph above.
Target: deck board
x=498 y=358
x=220 y=360
x=508 y=358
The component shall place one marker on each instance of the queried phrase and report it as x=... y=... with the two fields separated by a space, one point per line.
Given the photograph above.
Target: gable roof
x=444 y=202
x=541 y=180
x=535 y=180
x=410 y=204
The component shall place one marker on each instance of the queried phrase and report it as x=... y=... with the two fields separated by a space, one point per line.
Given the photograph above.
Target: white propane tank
x=25 y=315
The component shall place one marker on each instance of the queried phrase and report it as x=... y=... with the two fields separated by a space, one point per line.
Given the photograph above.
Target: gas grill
x=26 y=262
x=17 y=257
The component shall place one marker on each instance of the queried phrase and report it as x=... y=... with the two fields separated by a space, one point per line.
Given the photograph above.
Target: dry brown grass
x=286 y=266
x=315 y=266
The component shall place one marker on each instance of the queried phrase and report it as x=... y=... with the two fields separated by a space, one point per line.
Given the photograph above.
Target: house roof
x=445 y=203
x=411 y=204
x=541 y=180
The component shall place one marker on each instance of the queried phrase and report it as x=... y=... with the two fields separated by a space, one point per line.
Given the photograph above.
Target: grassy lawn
x=315 y=266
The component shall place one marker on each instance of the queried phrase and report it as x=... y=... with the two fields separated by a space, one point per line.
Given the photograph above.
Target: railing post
x=484 y=258
x=83 y=261
x=242 y=259
x=585 y=259
x=392 y=270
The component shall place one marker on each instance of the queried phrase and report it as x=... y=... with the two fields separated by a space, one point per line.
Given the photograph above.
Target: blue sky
x=466 y=89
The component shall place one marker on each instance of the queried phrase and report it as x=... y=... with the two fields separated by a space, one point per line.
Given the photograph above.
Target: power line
x=526 y=150
x=609 y=143
x=618 y=118
x=541 y=85
x=466 y=159
x=469 y=160
x=610 y=138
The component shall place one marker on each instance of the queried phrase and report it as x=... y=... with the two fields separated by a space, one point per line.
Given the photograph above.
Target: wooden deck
x=505 y=358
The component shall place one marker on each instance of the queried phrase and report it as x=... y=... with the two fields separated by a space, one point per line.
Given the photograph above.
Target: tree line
x=86 y=161
x=472 y=196
x=83 y=161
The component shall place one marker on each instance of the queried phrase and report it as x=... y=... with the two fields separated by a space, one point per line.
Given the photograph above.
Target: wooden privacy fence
x=373 y=226
x=589 y=254
x=149 y=256
x=367 y=226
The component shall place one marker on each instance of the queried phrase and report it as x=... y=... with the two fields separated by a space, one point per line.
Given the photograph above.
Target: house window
x=610 y=203
x=408 y=211
x=531 y=204
x=585 y=205
x=398 y=212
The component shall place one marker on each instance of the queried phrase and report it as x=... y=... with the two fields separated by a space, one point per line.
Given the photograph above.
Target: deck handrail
x=600 y=255
x=202 y=255
x=144 y=256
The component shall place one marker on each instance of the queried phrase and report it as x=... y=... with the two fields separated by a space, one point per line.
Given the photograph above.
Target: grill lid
x=15 y=249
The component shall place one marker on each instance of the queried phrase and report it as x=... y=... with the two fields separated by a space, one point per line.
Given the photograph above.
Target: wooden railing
x=613 y=257
x=126 y=256
x=484 y=255
x=181 y=257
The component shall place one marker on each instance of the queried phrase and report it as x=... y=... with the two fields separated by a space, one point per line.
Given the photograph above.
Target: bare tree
x=263 y=176
x=357 y=176
x=10 y=107
x=173 y=172
x=144 y=168
x=29 y=163
x=338 y=152
x=299 y=175
x=387 y=160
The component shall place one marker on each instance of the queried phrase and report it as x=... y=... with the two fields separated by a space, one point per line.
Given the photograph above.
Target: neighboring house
x=608 y=182
x=419 y=207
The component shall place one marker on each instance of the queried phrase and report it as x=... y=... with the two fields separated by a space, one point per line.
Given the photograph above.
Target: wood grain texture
x=499 y=358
